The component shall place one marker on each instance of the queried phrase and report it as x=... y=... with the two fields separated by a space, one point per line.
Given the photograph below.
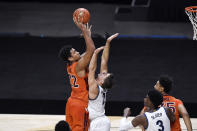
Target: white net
x=192 y=13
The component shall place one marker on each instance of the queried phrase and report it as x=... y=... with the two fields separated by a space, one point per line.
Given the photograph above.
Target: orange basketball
x=82 y=15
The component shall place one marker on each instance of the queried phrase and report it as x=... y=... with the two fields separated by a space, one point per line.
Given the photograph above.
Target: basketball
x=82 y=15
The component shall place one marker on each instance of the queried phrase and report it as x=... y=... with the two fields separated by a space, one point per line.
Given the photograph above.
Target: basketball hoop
x=192 y=13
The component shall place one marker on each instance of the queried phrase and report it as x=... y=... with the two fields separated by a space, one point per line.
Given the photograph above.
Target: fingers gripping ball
x=81 y=15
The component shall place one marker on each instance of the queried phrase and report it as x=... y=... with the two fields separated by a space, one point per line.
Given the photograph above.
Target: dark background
x=32 y=72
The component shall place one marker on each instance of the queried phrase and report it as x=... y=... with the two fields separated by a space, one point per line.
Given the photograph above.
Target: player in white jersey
x=157 y=119
x=98 y=89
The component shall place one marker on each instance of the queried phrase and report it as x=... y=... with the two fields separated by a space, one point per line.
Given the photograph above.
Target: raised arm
x=185 y=115
x=105 y=55
x=86 y=57
x=93 y=90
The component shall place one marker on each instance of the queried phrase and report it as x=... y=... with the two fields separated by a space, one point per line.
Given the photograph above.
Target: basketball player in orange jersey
x=164 y=85
x=76 y=107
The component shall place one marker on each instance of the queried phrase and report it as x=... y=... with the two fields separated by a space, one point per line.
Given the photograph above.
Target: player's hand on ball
x=80 y=25
x=88 y=29
x=85 y=28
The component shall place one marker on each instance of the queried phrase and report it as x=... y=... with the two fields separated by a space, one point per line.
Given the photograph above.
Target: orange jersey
x=79 y=84
x=172 y=103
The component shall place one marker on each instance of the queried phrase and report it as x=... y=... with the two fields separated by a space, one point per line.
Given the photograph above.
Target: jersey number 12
x=73 y=81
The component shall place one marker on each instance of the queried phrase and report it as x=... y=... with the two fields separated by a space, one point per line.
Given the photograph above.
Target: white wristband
x=125 y=125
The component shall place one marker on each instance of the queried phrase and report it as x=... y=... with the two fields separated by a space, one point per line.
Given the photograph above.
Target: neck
x=153 y=109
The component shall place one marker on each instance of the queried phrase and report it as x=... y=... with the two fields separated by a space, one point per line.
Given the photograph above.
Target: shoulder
x=72 y=66
x=174 y=99
x=178 y=101
x=94 y=92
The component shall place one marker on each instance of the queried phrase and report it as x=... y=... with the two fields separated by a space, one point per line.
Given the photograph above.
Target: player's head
x=62 y=126
x=106 y=80
x=153 y=99
x=69 y=54
x=164 y=84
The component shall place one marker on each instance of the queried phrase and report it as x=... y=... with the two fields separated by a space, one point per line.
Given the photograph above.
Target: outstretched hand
x=99 y=49
x=112 y=37
x=127 y=112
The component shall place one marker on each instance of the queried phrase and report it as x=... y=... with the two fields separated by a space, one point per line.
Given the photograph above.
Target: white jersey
x=96 y=107
x=158 y=120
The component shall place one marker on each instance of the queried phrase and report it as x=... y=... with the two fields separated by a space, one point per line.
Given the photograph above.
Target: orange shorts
x=77 y=115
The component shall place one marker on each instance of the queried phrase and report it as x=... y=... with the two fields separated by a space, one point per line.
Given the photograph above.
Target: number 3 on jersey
x=73 y=81
x=160 y=124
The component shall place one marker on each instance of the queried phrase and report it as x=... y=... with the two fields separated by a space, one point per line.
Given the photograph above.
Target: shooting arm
x=86 y=57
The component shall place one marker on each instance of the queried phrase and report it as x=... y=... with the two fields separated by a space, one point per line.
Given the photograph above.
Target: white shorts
x=100 y=124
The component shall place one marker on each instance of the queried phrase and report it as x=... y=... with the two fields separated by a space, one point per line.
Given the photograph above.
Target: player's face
x=102 y=76
x=74 y=54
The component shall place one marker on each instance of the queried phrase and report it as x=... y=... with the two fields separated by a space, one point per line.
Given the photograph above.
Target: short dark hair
x=166 y=82
x=108 y=82
x=64 y=53
x=155 y=97
x=62 y=126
